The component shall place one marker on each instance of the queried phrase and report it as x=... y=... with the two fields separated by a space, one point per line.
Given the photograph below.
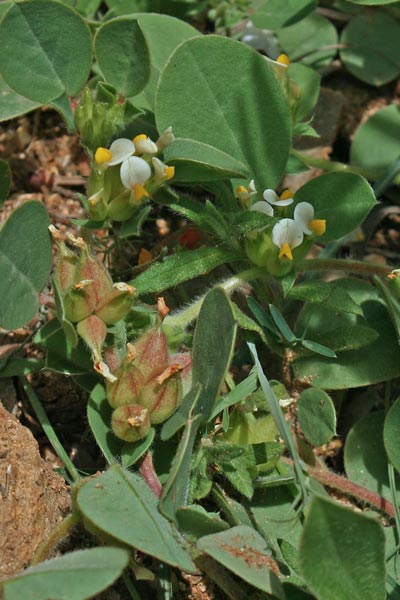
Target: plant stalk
x=343 y=264
x=333 y=166
x=56 y=535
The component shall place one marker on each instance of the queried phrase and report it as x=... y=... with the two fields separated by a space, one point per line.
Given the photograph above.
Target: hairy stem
x=183 y=318
x=149 y=475
x=55 y=537
x=342 y=264
x=337 y=482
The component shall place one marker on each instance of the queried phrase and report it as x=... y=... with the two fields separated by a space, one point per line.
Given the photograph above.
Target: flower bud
x=394 y=282
x=161 y=397
x=165 y=139
x=119 y=209
x=130 y=423
x=116 y=303
x=93 y=331
x=151 y=353
x=126 y=389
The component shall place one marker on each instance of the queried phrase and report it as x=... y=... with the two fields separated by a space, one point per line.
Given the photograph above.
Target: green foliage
x=372 y=44
x=304 y=40
x=308 y=81
x=13 y=104
x=273 y=14
x=123 y=56
x=50 y=63
x=365 y=458
x=333 y=536
x=316 y=415
x=234 y=123
x=75 y=576
x=242 y=550
x=391 y=435
x=137 y=504
x=343 y=199
x=25 y=262
x=180 y=267
x=378 y=361
x=375 y=144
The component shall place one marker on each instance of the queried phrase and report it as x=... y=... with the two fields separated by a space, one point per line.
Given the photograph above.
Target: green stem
x=48 y=429
x=130 y=586
x=55 y=537
x=342 y=264
x=332 y=166
x=181 y=319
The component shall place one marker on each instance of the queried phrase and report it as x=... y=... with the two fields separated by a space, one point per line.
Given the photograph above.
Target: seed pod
x=93 y=331
x=79 y=303
x=127 y=388
x=116 y=303
x=151 y=353
x=130 y=423
x=161 y=399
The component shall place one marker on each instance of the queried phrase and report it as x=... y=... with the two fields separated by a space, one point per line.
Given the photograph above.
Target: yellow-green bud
x=130 y=423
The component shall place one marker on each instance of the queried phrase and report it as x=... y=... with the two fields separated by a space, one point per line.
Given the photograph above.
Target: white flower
x=144 y=145
x=243 y=193
x=263 y=207
x=287 y=235
x=285 y=199
x=304 y=217
x=162 y=170
x=134 y=173
x=120 y=150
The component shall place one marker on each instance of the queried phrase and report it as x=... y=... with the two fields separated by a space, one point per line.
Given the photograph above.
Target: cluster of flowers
x=140 y=172
x=287 y=234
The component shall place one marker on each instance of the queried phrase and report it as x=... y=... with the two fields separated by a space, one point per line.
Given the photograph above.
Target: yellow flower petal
x=169 y=172
x=102 y=155
x=140 y=192
x=139 y=138
x=286 y=251
x=286 y=194
x=318 y=226
x=283 y=59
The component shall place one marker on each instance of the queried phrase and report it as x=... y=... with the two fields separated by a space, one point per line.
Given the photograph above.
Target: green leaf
x=348 y=337
x=75 y=576
x=61 y=356
x=375 y=362
x=99 y=417
x=5 y=180
x=343 y=199
x=329 y=293
x=132 y=452
x=391 y=435
x=246 y=322
x=211 y=360
x=240 y=101
x=194 y=522
x=25 y=262
x=196 y=161
x=118 y=499
x=365 y=458
x=372 y=2
x=274 y=515
x=133 y=226
x=306 y=40
x=206 y=216
x=243 y=389
x=316 y=415
x=162 y=34
x=244 y=221
x=47 y=50
x=181 y=267
x=375 y=144
x=12 y=104
x=242 y=550
x=308 y=81
x=318 y=348
x=281 y=324
x=122 y=55
x=333 y=537
x=15 y=367
x=275 y=14
x=67 y=326
x=240 y=478
x=392 y=304
x=372 y=47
